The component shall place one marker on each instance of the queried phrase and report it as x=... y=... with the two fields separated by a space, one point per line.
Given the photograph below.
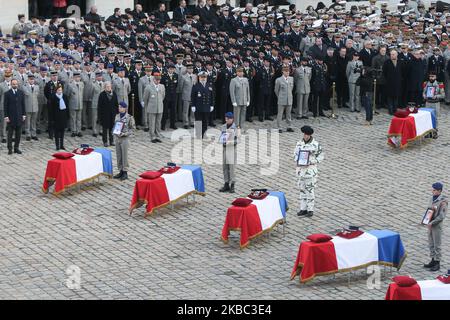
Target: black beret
x=307 y=130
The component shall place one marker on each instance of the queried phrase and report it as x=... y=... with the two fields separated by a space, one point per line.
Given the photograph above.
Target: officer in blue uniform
x=202 y=101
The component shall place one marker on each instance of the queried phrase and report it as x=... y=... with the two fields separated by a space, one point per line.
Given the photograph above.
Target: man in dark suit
x=14 y=115
x=202 y=102
x=367 y=54
x=179 y=14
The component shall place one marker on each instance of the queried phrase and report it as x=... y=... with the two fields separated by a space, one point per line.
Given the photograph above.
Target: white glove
x=235 y=104
x=211 y=109
x=248 y=104
x=142 y=104
x=193 y=109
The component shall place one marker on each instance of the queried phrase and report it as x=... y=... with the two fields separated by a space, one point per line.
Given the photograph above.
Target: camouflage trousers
x=307 y=185
x=434 y=242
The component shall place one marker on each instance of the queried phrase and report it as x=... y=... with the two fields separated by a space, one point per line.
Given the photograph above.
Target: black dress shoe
x=124 y=176
x=18 y=151
x=112 y=144
x=94 y=135
x=146 y=130
x=269 y=118
x=290 y=130
x=192 y=126
x=73 y=135
x=302 y=213
x=28 y=139
x=322 y=114
x=3 y=140
x=250 y=120
x=63 y=148
x=299 y=118
x=105 y=144
x=35 y=138
x=158 y=140
x=261 y=120
x=225 y=188
x=10 y=152
x=174 y=128
x=154 y=141
x=186 y=127
x=83 y=128
x=280 y=130
x=79 y=134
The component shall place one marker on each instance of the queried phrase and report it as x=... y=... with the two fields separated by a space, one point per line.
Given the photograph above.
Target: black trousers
x=224 y=105
x=251 y=107
x=415 y=96
x=169 y=112
x=264 y=108
x=15 y=130
x=135 y=108
x=49 y=123
x=105 y=133
x=342 y=92
x=318 y=103
x=204 y=118
x=59 y=138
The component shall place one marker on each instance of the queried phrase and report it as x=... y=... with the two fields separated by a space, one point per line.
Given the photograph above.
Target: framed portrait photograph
x=303 y=158
x=118 y=127
x=428 y=216
x=430 y=92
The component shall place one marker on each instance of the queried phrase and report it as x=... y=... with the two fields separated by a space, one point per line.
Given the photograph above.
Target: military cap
x=157 y=75
x=437 y=186
x=245 y=15
x=53 y=72
x=123 y=104
x=236 y=10
x=202 y=74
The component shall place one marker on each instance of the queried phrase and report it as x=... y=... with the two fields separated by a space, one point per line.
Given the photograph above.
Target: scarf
x=122 y=115
x=62 y=104
x=435 y=197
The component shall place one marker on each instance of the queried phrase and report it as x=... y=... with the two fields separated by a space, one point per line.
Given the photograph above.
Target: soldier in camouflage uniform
x=434 y=101
x=307 y=174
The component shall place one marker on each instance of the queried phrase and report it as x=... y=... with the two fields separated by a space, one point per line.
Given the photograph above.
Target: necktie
x=32 y=88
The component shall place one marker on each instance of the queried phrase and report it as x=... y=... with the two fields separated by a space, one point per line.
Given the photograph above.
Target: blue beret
x=10 y=51
x=123 y=105
x=110 y=66
x=120 y=69
x=44 y=69
x=229 y=115
x=21 y=65
x=437 y=186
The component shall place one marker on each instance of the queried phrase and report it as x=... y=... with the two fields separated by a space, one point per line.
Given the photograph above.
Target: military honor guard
x=97 y=88
x=5 y=86
x=438 y=210
x=74 y=91
x=202 y=103
x=154 y=95
x=142 y=84
x=240 y=97
x=353 y=72
x=433 y=93
x=188 y=80
x=31 y=92
x=284 y=87
x=302 y=78
x=171 y=82
x=229 y=139
x=123 y=128
x=308 y=154
x=121 y=85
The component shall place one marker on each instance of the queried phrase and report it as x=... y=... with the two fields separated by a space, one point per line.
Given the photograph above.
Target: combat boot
x=124 y=176
x=436 y=267
x=302 y=213
x=309 y=214
x=429 y=265
x=225 y=188
x=232 y=188
x=118 y=176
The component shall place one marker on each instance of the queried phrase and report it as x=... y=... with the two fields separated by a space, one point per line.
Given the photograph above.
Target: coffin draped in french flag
x=416 y=125
x=376 y=247
x=255 y=219
x=168 y=188
x=422 y=290
x=66 y=173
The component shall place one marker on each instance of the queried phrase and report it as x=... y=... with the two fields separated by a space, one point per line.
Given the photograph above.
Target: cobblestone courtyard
x=177 y=254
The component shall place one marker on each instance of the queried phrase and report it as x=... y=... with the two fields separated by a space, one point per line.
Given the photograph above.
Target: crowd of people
x=261 y=63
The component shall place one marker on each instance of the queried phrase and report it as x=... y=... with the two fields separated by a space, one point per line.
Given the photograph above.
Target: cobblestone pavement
x=177 y=254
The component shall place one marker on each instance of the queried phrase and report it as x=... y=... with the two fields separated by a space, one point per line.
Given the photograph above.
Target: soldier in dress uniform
x=439 y=205
x=229 y=138
x=74 y=92
x=121 y=85
x=121 y=139
x=302 y=77
x=284 y=87
x=202 y=102
x=187 y=81
x=41 y=80
x=143 y=83
x=97 y=88
x=172 y=84
x=154 y=95
x=264 y=90
x=223 y=93
x=308 y=154
x=134 y=76
x=87 y=77
x=31 y=92
x=433 y=94
x=240 y=97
